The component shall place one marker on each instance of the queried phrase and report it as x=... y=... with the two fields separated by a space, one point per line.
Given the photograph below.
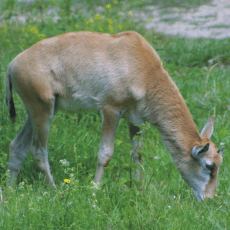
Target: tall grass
x=201 y=71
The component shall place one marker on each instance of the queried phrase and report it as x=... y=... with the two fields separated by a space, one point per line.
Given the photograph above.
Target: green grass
x=169 y=3
x=201 y=69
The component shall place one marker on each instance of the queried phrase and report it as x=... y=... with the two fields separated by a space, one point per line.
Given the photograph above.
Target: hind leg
x=19 y=148
x=42 y=116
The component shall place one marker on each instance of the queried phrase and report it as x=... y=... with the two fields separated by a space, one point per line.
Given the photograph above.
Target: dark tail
x=9 y=97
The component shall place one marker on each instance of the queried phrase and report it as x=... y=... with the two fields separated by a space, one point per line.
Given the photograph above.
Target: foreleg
x=110 y=120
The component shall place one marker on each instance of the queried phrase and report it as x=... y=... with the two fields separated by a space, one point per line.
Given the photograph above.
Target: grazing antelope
x=120 y=75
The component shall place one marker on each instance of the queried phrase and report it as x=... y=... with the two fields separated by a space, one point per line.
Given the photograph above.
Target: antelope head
x=201 y=169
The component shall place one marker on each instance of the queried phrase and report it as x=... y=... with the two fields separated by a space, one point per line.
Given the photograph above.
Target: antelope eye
x=210 y=166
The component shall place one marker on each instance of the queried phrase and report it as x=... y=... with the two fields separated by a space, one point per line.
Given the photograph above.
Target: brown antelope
x=120 y=75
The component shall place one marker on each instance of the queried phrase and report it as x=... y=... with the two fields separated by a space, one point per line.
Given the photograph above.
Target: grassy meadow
x=200 y=68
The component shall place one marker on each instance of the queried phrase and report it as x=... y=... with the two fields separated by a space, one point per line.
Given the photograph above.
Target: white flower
x=94 y=205
x=64 y=162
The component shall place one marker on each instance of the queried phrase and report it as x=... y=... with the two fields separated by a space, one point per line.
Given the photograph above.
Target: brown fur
x=120 y=75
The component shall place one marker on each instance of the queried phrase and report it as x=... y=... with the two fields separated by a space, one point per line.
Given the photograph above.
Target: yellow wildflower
x=33 y=29
x=67 y=181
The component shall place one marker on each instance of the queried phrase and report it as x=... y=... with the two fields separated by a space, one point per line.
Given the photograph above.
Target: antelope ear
x=208 y=129
x=197 y=150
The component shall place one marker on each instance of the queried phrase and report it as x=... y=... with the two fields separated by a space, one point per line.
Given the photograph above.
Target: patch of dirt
x=207 y=21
